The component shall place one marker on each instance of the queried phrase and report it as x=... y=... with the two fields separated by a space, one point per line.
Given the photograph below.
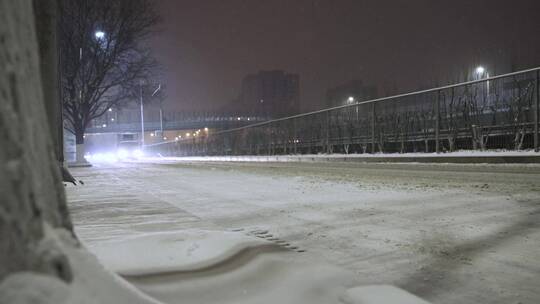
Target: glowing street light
x=351 y=100
x=99 y=34
x=205 y=129
x=480 y=70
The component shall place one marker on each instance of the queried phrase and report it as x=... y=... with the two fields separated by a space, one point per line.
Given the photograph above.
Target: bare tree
x=403 y=122
x=476 y=107
x=453 y=116
x=103 y=59
x=518 y=107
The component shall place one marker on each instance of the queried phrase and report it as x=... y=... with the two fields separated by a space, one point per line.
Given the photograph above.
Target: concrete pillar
x=32 y=195
x=46 y=12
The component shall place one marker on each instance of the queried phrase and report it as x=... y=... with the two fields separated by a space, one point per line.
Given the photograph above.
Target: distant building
x=340 y=95
x=271 y=94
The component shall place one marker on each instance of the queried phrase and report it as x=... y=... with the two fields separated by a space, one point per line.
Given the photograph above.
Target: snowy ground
x=448 y=233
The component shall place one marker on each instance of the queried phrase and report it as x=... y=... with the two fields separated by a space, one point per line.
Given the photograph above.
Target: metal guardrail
x=500 y=112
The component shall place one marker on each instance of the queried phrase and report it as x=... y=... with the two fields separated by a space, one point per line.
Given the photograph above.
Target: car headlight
x=137 y=153
x=122 y=153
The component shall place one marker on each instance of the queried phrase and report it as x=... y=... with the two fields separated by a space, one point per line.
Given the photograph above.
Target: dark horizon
x=207 y=47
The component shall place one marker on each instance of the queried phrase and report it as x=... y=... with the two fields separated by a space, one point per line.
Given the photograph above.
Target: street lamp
x=141 y=82
x=99 y=34
x=351 y=100
x=480 y=71
x=160 y=109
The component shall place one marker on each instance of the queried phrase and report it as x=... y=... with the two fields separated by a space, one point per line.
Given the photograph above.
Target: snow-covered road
x=448 y=233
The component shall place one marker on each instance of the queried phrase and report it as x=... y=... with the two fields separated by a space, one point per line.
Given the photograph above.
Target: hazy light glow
x=99 y=35
x=350 y=99
x=138 y=153
x=122 y=153
x=480 y=70
x=102 y=157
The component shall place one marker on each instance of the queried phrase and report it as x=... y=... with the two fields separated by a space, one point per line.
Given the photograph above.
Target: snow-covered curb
x=470 y=157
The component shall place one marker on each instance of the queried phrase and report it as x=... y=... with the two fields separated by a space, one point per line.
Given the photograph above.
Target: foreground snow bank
x=179 y=251
x=92 y=283
x=211 y=266
x=30 y=287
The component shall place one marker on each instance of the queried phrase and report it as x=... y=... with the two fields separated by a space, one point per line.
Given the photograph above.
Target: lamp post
x=79 y=148
x=142 y=111
x=351 y=100
x=142 y=114
x=480 y=71
x=160 y=109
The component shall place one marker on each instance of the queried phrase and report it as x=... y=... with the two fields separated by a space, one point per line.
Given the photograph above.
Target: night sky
x=208 y=46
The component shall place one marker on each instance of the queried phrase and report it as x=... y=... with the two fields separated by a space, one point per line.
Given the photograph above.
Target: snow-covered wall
x=31 y=192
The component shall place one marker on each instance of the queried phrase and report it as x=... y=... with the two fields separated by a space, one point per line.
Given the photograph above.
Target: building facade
x=271 y=94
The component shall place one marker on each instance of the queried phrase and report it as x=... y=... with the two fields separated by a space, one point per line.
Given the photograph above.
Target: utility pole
x=142 y=114
x=160 y=111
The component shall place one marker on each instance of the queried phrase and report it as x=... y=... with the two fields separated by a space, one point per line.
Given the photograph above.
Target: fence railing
x=500 y=112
